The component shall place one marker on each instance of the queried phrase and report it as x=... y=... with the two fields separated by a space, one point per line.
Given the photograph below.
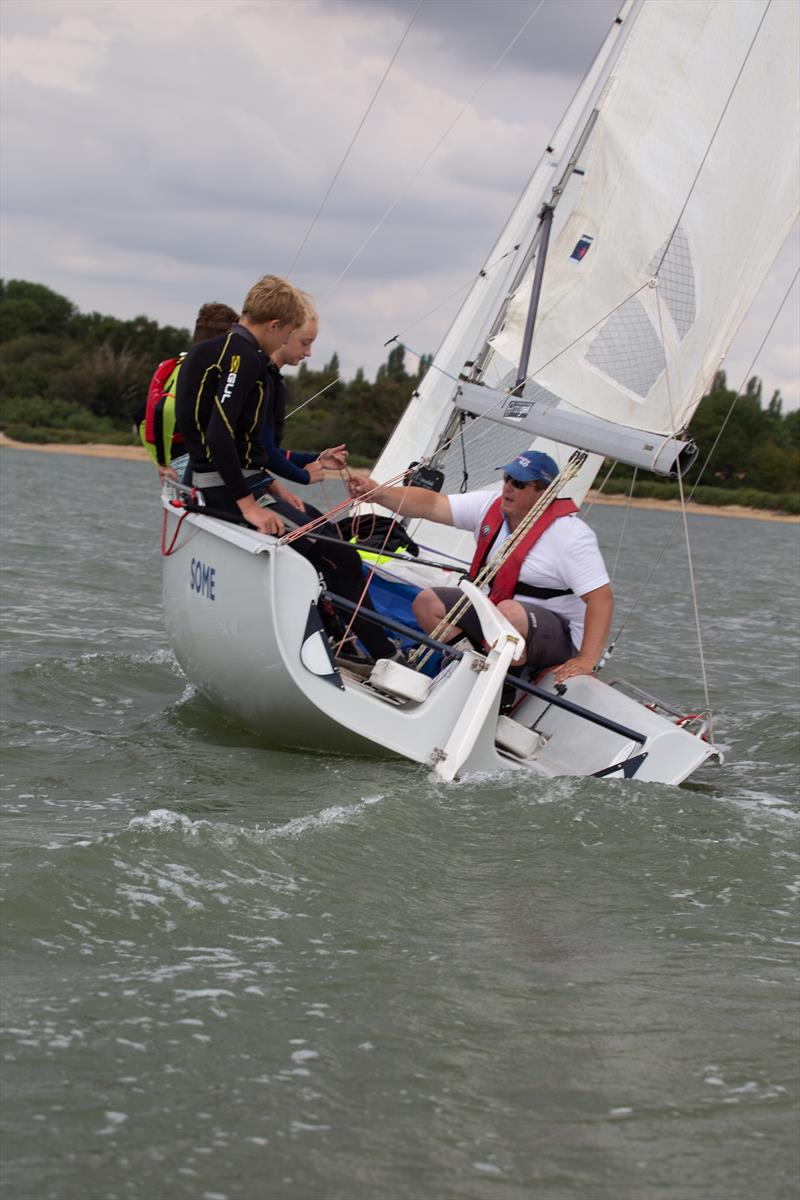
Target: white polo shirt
x=565 y=556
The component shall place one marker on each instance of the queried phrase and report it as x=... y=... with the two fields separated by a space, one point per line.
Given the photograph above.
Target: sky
x=161 y=153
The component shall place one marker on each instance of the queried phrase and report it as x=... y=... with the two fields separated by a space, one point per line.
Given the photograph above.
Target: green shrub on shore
x=717 y=497
x=40 y=435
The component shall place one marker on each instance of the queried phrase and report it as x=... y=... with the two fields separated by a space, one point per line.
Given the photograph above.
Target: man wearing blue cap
x=553 y=588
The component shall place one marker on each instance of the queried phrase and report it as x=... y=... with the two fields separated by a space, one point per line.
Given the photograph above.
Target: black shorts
x=548 y=641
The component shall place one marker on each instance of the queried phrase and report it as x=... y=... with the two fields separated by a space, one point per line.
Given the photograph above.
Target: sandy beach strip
x=135 y=453
x=86 y=449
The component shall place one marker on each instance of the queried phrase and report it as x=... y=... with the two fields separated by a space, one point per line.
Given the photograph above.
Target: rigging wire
x=649 y=283
x=484 y=271
x=311 y=525
x=729 y=413
x=346 y=154
x=587 y=506
x=314 y=397
x=431 y=153
x=621 y=538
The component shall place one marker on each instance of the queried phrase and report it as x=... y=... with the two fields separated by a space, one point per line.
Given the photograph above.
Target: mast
x=545 y=225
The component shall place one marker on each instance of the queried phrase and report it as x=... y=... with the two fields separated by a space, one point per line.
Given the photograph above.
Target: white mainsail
x=686 y=187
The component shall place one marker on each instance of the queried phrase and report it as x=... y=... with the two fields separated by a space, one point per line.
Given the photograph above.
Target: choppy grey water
x=237 y=973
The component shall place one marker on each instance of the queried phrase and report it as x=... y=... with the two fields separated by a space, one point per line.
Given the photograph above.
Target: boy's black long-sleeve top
x=221 y=402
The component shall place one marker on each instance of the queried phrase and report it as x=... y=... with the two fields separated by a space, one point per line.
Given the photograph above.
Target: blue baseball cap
x=531 y=467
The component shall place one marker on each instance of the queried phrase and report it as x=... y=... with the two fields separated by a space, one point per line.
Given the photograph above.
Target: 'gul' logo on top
x=231 y=380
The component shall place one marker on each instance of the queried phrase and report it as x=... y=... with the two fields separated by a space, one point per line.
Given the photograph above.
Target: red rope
x=312 y=525
x=166 y=551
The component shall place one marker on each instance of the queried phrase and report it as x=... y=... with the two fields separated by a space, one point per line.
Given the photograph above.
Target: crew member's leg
x=340 y=566
x=218 y=499
x=432 y=605
x=547 y=636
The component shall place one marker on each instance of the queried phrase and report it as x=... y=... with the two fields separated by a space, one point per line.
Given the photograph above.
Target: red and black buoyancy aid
x=505 y=583
x=162 y=389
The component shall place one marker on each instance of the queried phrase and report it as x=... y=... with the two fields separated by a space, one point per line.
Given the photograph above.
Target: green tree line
x=72 y=376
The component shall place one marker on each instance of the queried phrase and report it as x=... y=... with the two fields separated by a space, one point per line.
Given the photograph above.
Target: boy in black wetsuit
x=221 y=404
x=222 y=396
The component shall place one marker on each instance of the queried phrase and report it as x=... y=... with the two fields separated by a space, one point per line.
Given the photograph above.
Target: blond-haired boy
x=223 y=389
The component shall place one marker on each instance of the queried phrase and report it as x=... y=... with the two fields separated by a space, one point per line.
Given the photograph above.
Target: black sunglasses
x=519 y=484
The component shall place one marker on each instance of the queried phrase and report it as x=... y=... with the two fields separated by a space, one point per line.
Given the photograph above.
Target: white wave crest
x=338 y=814
x=164 y=820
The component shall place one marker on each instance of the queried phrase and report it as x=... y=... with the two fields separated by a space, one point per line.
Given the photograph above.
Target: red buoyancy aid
x=504 y=583
x=154 y=393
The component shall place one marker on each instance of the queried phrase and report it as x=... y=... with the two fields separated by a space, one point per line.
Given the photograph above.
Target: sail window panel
x=676 y=281
x=628 y=350
x=487 y=445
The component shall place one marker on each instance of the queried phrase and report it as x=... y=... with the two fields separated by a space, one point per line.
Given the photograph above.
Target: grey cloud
x=562 y=36
x=197 y=154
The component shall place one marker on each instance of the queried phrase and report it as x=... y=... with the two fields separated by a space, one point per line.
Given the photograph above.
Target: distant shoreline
x=134 y=453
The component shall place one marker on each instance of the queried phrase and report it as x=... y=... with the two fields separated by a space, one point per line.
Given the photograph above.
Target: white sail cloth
x=691 y=180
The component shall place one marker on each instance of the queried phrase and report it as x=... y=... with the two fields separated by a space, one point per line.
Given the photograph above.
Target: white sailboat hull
x=240 y=611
